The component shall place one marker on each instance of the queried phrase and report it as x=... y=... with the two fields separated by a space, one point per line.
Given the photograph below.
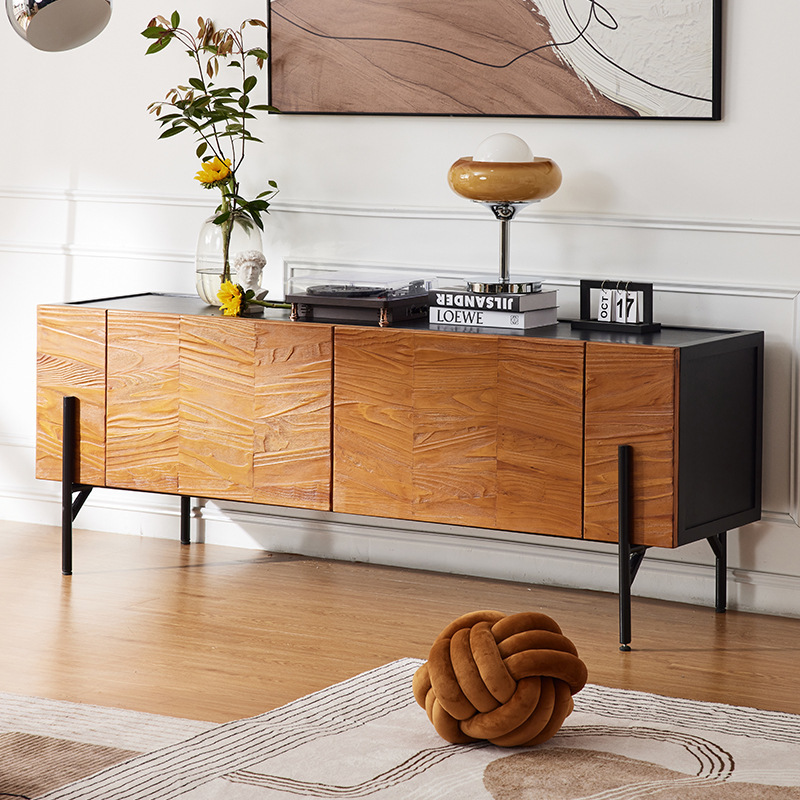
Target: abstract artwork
x=540 y=58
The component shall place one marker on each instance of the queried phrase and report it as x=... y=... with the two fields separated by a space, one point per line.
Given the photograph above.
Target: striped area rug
x=46 y=744
x=367 y=738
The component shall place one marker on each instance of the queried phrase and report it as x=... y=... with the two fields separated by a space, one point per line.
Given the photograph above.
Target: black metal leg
x=624 y=511
x=68 y=444
x=630 y=556
x=186 y=508
x=69 y=507
x=719 y=544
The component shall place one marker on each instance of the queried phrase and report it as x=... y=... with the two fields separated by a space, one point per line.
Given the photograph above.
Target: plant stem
x=268 y=304
x=227 y=230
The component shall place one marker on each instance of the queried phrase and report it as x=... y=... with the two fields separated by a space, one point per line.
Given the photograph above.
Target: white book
x=493 y=319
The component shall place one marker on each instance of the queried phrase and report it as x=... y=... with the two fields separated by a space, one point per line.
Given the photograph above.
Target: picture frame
x=629 y=59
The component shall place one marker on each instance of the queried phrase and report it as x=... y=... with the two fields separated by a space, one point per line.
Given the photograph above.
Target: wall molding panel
x=469 y=212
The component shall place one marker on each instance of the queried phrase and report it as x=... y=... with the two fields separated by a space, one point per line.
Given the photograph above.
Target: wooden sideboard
x=541 y=432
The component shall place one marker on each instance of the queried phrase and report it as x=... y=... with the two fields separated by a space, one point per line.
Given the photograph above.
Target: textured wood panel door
x=254 y=414
x=455 y=429
x=71 y=360
x=631 y=396
x=142 y=401
x=292 y=433
x=373 y=437
x=436 y=427
x=540 y=436
x=217 y=407
x=414 y=426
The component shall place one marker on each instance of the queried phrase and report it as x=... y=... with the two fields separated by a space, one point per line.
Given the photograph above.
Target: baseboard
x=538 y=560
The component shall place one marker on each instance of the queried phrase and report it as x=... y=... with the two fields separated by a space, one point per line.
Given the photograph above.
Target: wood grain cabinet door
x=143 y=373
x=216 y=412
x=631 y=396
x=373 y=437
x=292 y=413
x=458 y=429
x=254 y=413
x=71 y=360
x=540 y=436
x=454 y=419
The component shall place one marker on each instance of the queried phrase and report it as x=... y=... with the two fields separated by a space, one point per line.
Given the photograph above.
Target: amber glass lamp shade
x=504 y=181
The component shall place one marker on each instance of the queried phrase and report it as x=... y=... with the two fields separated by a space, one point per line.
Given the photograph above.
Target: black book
x=477 y=301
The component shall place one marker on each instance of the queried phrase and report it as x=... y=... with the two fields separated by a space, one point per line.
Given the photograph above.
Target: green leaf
x=153 y=32
x=257 y=52
x=249 y=83
x=201 y=149
x=172 y=131
x=222 y=218
x=244 y=101
x=157 y=46
x=197 y=84
x=261 y=107
x=175 y=19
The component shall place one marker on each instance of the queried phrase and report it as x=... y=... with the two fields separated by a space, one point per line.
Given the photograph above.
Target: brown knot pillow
x=508 y=679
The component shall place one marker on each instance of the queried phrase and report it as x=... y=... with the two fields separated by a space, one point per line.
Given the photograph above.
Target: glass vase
x=210 y=254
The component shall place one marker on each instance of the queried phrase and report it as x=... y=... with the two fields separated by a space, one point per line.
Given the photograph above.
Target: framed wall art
x=529 y=58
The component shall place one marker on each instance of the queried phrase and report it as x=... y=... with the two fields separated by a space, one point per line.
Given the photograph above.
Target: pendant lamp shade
x=54 y=25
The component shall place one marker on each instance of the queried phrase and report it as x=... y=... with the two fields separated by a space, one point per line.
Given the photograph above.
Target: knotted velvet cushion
x=508 y=679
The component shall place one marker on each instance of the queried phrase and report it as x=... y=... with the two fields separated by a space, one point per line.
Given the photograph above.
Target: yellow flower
x=230 y=295
x=214 y=171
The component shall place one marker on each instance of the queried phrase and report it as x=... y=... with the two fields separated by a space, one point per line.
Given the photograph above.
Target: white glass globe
x=503 y=147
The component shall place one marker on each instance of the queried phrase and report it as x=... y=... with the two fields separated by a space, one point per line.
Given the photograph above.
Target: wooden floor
x=218 y=633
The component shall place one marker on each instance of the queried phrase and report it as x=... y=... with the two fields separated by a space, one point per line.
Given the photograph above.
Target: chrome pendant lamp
x=54 y=25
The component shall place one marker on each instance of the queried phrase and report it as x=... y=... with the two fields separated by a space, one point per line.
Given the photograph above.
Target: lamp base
x=493 y=286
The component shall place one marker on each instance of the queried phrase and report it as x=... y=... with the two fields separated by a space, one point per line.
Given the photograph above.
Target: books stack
x=463 y=308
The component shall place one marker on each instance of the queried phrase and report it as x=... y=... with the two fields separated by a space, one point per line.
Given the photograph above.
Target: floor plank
x=219 y=633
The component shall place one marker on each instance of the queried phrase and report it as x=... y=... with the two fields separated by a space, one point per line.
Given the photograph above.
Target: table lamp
x=54 y=25
x=504 y=175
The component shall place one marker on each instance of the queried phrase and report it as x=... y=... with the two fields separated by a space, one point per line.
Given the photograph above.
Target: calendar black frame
x=586 y=323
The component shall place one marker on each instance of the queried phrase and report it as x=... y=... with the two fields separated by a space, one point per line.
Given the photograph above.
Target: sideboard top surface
x=668 y=336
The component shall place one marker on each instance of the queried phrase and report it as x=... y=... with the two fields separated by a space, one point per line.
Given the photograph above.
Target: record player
x=374 y=301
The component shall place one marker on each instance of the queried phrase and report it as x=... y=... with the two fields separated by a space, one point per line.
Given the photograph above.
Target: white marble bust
x=248 y=266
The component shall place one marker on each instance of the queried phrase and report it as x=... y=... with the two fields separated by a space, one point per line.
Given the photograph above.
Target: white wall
x=91 y=204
